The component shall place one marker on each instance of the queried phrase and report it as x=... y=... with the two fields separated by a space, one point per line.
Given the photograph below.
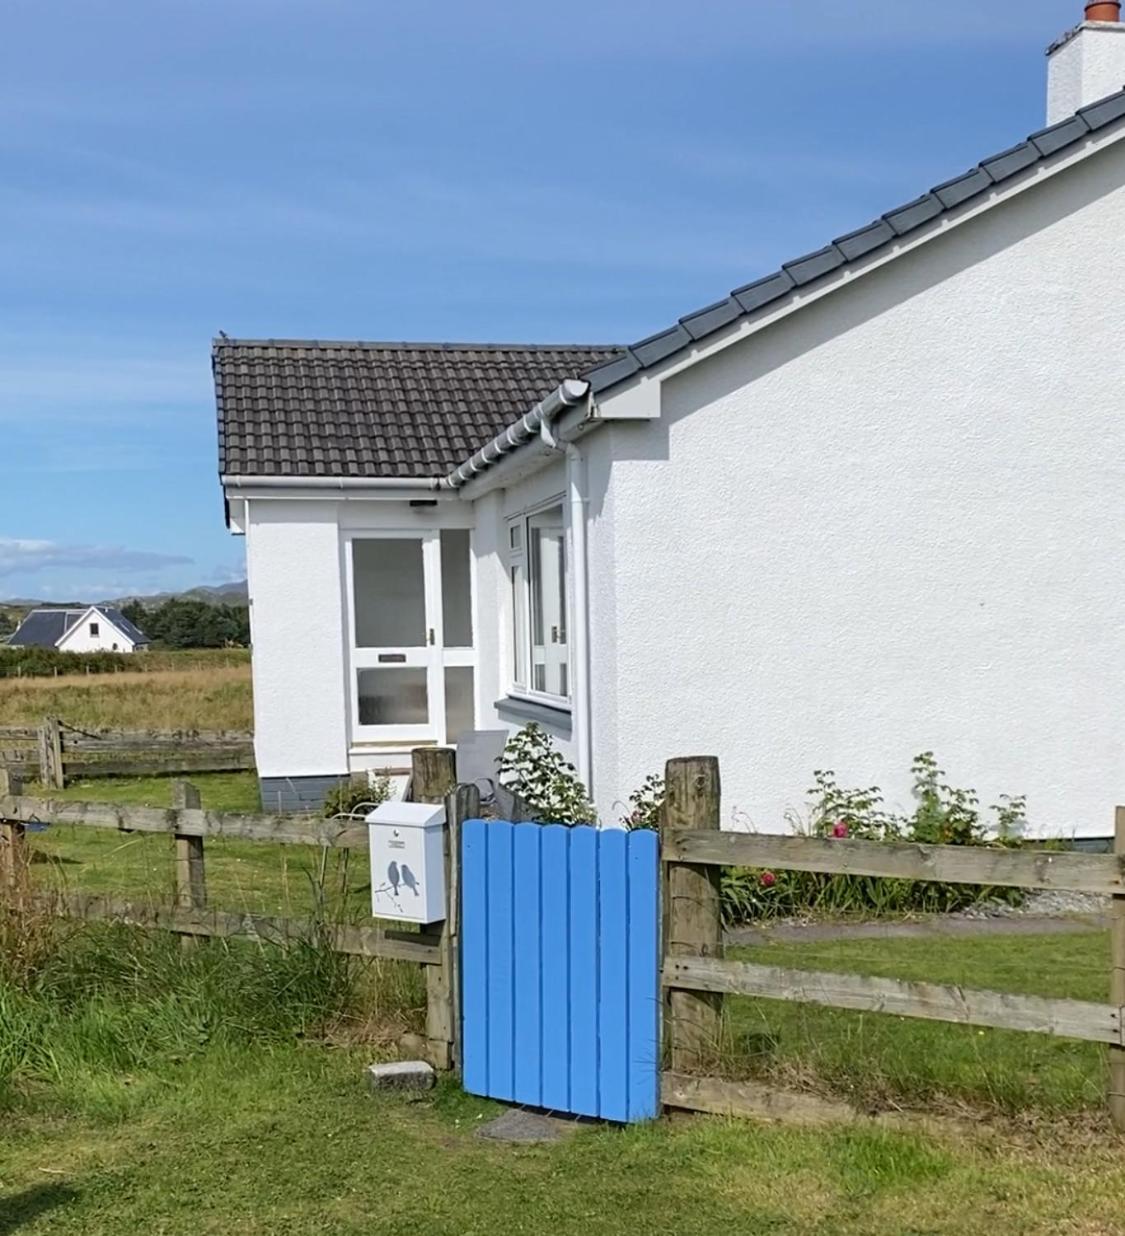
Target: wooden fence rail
x=54 y=751
x=433 y=779
x=695 y=971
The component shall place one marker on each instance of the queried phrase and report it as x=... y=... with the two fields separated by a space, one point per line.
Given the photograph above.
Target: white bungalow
x=98 y=628
x=859 y=508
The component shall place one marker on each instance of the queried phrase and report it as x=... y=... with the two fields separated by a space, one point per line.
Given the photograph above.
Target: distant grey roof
x=885 y=231
x=123 y=624
x=310 y=408
x=43 y=628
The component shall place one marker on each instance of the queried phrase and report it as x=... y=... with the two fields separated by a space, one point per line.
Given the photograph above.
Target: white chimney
x=1088 y=63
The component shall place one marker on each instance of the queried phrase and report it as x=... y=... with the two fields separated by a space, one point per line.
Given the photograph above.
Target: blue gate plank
x=474 y=956
x=644 y=970
x=528 y=941
x=501 y=929
x=584 y=971
x=555 y=946
x=613 y=978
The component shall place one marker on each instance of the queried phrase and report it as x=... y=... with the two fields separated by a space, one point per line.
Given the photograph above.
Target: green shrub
x=350 y=796
x=943 y=815
x=49 y=662
x=532 y=768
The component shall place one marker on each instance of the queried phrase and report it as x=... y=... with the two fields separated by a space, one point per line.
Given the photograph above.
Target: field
x=175 y=690
x=149 y=1088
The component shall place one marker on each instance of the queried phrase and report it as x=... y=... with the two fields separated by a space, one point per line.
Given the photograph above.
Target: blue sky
x=362 y=169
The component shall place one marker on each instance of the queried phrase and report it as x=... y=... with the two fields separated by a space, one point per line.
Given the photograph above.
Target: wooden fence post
x=443 y=983
x=51 y=771
x=12 y=842
x=191 y=882
x=1117 y=982
x=433 y=774
x=692 y=913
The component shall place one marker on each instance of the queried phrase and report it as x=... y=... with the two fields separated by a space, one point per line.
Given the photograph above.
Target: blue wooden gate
x=560 y=967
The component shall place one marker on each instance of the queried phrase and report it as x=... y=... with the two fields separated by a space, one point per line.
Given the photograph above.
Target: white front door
x=404 y=590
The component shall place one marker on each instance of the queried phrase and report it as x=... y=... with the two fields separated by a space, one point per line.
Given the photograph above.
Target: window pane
x=456 y=590
x=519 y=626
x=459 y=710
x=390 y=593
x=547 y=548
x=393 y=696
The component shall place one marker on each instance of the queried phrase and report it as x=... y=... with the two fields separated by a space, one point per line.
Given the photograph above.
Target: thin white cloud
x=21 y=557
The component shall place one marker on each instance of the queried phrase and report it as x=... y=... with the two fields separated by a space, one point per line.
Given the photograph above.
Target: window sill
x=513 y=708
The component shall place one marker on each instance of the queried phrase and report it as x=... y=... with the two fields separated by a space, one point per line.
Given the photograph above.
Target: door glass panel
x=395 y=696
x=548 y=602
x=459 y=711
x=456 y=590
x=390 y=593
x=519 y=625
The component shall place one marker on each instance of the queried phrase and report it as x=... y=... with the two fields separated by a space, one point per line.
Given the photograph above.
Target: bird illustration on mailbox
x=407 y=862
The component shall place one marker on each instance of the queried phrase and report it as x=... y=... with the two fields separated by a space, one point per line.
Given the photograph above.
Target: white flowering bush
x=535 y=770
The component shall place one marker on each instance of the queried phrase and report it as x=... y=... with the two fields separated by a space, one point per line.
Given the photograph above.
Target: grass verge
x=881 y=1061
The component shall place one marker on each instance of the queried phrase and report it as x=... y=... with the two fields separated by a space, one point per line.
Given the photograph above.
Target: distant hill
x=222 y=594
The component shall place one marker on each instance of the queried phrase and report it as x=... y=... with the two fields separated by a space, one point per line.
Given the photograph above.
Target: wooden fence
x=433 y=780
x=696 y=976
x=53 y=751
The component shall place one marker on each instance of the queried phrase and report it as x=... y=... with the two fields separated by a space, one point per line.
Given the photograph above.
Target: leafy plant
x=646 y=804
x=535 y=770
x=347 y=797
x=943 y=815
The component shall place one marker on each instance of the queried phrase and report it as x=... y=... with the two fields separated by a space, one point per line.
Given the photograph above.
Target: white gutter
x=578 y=498
x=570 y=393
x=330 y=482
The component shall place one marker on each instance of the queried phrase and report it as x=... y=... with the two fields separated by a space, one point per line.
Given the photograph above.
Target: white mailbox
x=407 y=862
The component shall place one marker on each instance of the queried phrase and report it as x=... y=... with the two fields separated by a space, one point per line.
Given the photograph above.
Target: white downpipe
x=578 y=500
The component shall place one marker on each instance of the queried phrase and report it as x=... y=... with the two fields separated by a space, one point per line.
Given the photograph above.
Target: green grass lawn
x=247 y=876
x=284 y=1141
x=879 y=1059
x=146 y=1088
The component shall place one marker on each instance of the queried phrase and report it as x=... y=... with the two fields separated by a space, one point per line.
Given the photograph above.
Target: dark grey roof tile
x=705 y=322
x=962 y=188
x=307 y=408
x=865 y=240
x=1011 y=162
x=1105 y=111
x=612 y=371
x=656 y=348
x=914 y=214
x=1051 y=140
x=764 y=291
x=814 y=265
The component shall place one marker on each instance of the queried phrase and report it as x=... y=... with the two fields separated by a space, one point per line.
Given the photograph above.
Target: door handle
x=432 y=640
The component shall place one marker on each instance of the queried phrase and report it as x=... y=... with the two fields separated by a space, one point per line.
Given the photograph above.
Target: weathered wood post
x=692 y=913
x=51 y=771
x=433 y=773
x=1117 y=981
x=13 y=855
x=443 y=1003
x=433 y=779
x=191 y=880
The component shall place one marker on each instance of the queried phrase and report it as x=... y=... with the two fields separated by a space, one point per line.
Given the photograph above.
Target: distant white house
x=99 y=628
x=862 y=507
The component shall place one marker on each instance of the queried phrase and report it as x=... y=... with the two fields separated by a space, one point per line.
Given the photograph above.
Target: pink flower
x=840 y=829
x=767 y=879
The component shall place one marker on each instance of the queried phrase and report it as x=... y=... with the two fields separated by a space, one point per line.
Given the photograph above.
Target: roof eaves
x=896 y=223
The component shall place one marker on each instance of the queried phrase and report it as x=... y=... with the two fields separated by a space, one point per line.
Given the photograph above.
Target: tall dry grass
x=202 y=697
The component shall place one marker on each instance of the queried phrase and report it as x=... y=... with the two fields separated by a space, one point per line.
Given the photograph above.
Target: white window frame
x=519 y=651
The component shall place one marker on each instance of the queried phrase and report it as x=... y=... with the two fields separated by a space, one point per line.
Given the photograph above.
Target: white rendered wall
x=1086 y=67
x=108 y=638
x=890 y=524
x=297 y=626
